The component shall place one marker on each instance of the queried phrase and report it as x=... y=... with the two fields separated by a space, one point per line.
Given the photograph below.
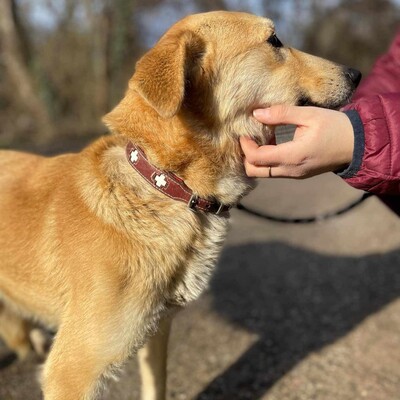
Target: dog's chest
x=199 y=262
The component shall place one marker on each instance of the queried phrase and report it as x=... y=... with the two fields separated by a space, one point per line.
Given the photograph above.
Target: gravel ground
x=293 y=312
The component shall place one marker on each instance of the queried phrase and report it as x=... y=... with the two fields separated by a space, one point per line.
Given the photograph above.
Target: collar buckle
x=192 y=203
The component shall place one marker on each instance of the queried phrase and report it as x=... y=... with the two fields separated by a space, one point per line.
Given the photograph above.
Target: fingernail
x=261 y=112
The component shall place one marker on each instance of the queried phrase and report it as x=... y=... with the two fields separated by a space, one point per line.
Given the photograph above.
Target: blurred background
x=65 y=63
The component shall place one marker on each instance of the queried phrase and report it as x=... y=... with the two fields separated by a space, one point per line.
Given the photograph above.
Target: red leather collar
x=170 y=184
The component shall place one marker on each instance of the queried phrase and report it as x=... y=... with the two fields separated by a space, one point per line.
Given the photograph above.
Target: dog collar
x=170 y=184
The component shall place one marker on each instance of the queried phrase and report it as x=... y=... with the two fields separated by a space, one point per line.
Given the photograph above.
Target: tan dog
x=90 y=248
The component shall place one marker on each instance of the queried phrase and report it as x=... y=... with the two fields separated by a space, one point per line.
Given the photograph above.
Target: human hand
x=323 y=141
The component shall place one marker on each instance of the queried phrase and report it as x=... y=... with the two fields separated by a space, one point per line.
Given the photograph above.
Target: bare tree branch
x=18 y=72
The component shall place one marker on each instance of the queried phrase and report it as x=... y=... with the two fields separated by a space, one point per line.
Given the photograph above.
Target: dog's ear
x=161 y=74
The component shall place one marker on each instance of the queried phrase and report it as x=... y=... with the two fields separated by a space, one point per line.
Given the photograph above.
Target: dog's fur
x=87 y=247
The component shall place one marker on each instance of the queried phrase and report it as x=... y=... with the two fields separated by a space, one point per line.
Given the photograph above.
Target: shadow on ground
x=296 y=301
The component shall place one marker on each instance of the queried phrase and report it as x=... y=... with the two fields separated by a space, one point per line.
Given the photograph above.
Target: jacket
x=375 y=116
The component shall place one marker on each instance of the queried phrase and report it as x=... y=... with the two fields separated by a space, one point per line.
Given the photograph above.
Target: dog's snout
x=353 y=75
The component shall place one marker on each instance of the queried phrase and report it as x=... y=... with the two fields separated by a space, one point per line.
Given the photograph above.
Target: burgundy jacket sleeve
x=375 y=116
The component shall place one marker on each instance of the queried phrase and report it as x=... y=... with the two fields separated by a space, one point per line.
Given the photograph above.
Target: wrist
x=357 y=129
x=347 y=141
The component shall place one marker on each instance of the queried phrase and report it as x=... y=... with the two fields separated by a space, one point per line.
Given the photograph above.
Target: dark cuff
x=359 y=143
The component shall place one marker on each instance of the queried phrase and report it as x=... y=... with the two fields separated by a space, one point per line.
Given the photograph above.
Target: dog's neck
x=210 y=164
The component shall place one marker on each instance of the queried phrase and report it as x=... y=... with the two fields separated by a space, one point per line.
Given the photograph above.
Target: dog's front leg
x=82 y=353
x=72 y=369
x=153 y=363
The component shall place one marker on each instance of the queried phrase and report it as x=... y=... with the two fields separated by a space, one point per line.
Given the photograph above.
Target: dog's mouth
x=304 y=101
x=352 y=78
x=333 y=105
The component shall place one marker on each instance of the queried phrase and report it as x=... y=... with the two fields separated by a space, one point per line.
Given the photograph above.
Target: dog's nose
x=354 y=76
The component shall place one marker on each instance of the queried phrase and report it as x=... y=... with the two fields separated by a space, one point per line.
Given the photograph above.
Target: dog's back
x=26 y=185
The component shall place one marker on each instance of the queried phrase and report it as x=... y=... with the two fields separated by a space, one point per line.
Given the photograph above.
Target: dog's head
x=215 y=68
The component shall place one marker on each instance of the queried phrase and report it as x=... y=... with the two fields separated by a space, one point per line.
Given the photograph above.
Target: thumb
x=284 y=114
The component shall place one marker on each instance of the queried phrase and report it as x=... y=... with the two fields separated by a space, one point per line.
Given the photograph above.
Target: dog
x=105 y=245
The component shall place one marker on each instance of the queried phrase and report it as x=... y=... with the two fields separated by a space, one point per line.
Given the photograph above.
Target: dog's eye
x=274 y=41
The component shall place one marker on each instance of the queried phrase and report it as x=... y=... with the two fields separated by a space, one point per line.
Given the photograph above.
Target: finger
x=254 y=153
x=270 y=155
x=284 y=114
x=284 y=171
x=248 y=144
x=254 y=171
